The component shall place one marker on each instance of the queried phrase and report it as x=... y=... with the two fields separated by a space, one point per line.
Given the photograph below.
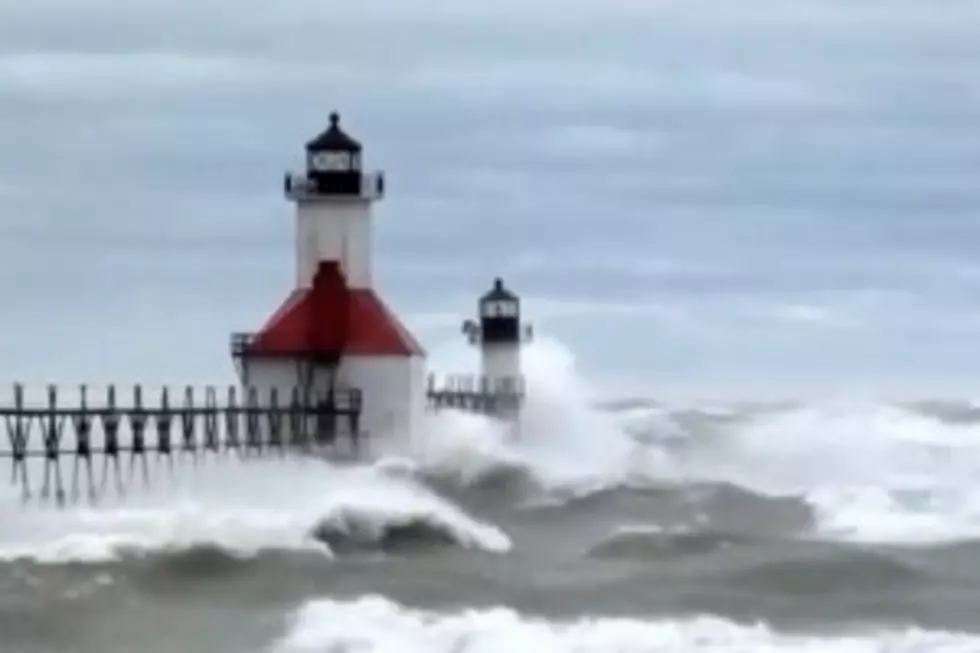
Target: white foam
x=563 y=444
x=464 y=447
x=377 y=625
x=241 y=508
x=872 y=472
x=368 y=511
x=246 y=508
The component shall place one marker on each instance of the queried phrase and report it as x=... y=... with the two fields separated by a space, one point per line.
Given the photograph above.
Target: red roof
x=330 y=319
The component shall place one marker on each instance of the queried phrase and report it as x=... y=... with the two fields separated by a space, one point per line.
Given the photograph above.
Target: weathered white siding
x=394 y=397
x=334 y=230
x=501 y=364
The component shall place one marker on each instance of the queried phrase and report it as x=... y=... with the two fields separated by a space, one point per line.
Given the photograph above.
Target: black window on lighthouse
x=333 y=161
x=500 y=315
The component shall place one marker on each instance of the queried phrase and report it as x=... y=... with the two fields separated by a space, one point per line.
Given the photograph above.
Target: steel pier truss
x=128 y=433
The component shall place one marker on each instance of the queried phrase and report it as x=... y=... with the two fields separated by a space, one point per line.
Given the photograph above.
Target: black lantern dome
x=500 y=315
x=333 y=161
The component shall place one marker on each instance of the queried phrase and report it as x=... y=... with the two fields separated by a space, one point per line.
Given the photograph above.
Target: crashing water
x=632 y=528
x=379 y=625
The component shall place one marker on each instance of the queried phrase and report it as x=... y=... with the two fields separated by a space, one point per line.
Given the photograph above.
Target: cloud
x=120 y=72
x=9 y=192
x=771 y=189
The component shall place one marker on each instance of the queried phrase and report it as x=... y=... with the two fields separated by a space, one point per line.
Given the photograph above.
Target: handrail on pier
x=245 y=421
x=476 y=393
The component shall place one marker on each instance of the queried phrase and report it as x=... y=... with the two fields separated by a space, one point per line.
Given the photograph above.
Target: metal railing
x=476 y=393
x=299 y=186
x=86 y=427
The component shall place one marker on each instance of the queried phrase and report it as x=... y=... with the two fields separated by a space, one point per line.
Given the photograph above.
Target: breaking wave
x=564 y=446
x=372 y=517
x=869 y=472
x=248 y=509
x=377 y=624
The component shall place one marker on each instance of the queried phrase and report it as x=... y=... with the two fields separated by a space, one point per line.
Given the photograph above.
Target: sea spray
x=242 y=509
x=563 y=443
x=870 y=472
x=873 y=473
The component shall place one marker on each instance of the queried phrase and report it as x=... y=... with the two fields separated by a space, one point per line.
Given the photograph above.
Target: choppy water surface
x=637 y=527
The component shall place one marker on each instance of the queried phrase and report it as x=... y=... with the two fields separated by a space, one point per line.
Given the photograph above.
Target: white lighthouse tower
x=500 y=335
x=333 y=333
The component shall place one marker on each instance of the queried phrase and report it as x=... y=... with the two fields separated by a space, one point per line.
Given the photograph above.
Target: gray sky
x=702 y=195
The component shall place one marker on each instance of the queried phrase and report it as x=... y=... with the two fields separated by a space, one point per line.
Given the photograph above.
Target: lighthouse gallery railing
x=180 y=425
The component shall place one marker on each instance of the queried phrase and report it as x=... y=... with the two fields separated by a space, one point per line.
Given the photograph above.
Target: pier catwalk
x=123 y=432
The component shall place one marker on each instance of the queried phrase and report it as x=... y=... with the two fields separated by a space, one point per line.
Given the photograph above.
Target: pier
x=187 y=424
x=330 y=324
x=476 y=393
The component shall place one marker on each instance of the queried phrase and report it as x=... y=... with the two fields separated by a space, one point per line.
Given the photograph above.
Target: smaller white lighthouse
x=500 y=336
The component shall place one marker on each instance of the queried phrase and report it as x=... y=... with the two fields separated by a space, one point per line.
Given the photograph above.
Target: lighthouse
x=500 y=335
x=333 y=333
x=499 y=389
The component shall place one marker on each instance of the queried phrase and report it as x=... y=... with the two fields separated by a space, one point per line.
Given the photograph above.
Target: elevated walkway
x=78 y=426
x=475 y=393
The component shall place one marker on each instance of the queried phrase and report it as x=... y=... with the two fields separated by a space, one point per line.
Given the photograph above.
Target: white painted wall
x=393 y=390
x=284 y=375
x=499 y=362
x=265 y=374
x=323 y=225
x=394 y=398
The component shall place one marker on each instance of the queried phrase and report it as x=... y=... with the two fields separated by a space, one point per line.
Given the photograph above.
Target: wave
x=564 y=446
x=377 y=624
x=245 y=510
x=872 y=473
x=868 y=472
x=465 y=450
x=788 y=566
x=655 y=542
x=830 y=570
x=368 y=517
